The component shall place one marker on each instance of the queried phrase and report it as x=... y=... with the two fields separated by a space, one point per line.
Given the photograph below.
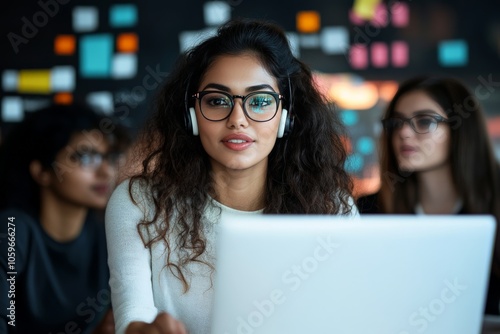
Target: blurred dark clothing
x=59 y=287
x=368 y=204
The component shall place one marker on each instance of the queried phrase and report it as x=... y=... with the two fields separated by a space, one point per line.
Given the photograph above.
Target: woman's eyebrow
x=418 y=112
x=259 y=87
x=248 y=89
x=217 y=86
x=84 y=148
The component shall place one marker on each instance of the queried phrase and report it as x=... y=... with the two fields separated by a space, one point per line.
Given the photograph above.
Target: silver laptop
x=326 y=274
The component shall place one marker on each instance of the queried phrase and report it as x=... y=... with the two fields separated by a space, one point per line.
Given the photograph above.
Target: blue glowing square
x=124 y=15
x=349 y=117
x=453 y=53
x=95 y=55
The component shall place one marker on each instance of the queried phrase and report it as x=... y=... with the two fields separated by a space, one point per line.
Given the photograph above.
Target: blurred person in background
x=57 y=171
x=437 y=158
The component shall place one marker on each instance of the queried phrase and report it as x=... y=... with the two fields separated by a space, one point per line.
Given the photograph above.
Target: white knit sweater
x=141 y=285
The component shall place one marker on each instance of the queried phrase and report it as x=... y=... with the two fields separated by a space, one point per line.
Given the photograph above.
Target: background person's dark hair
x=306 y=168
x=40 y=136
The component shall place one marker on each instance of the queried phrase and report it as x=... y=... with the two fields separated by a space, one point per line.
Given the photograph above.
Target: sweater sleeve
x=354 y=208
x=128 y=259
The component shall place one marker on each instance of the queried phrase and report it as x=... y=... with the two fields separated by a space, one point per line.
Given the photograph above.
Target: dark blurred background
x=114 y=54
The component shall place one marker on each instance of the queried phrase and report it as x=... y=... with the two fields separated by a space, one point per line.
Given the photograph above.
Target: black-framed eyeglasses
x=257 y=106
x=420 y=123
x=93 y=160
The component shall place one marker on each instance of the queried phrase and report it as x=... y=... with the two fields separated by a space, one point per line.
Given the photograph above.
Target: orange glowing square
x=128 y=42
x=308 y=21
x=64 y=45
x=63 y=98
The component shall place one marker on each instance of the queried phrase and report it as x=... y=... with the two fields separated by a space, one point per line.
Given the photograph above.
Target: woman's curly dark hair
x=306 y=168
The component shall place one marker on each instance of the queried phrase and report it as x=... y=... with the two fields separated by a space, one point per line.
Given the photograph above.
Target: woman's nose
x=237 y=118
x=405 y=130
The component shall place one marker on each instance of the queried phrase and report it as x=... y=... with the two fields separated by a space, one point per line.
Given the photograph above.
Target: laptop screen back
x=327 y=274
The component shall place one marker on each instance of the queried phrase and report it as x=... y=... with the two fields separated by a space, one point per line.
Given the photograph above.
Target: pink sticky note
x=358 y=56
x=380 y=54
x=380 y=19
x=400 y=14
x=355 y=18
x=399 y=54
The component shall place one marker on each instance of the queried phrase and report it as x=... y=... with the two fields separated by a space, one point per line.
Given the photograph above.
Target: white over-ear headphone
x=193 y=123
x=283 y=121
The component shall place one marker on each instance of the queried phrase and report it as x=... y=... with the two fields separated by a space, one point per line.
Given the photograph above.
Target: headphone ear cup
x=283 y=123
x=289 y=124
x=192 y=124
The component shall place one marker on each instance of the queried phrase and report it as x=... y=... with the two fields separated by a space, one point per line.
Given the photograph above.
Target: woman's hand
x=163 y=324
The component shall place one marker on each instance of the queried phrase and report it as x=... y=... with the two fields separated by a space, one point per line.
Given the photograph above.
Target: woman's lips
x=101 y=189
x=407 y=150
x=238 y=142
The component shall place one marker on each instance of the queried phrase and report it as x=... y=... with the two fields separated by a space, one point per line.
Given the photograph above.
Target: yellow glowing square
x=365 y=8
x=34 y=81
x=308 y=21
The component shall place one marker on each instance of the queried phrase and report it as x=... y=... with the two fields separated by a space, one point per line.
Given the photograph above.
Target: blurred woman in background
x=437 y=158
x=57 y=171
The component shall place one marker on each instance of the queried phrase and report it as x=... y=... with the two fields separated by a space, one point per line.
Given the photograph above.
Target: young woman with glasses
x=437 y=158
x=239 y=128
x=57 y=171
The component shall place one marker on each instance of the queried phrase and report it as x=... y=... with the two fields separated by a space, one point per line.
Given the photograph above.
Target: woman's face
x=77 y=178
x=238 y=143
x=420 y=152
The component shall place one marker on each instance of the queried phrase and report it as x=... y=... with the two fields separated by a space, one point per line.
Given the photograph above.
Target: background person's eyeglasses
x=419 y=123
x=257 y=106
x=93 y=160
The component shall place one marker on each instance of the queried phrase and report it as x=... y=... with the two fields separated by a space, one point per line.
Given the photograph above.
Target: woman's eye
x=218 y=102
x=85 y=159
x=260 y=102
x=395 y=123
x=425 y=121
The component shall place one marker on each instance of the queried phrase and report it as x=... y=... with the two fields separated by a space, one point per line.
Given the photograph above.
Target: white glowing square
x=102 y=101
x=334 y=40
x=12 y=109
x=85 y=18
x=10 y=79
x=124 y=66
x=216 y=13
x=189 y=39
x=62 y=79
x=309 y=41
x=293 y=40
